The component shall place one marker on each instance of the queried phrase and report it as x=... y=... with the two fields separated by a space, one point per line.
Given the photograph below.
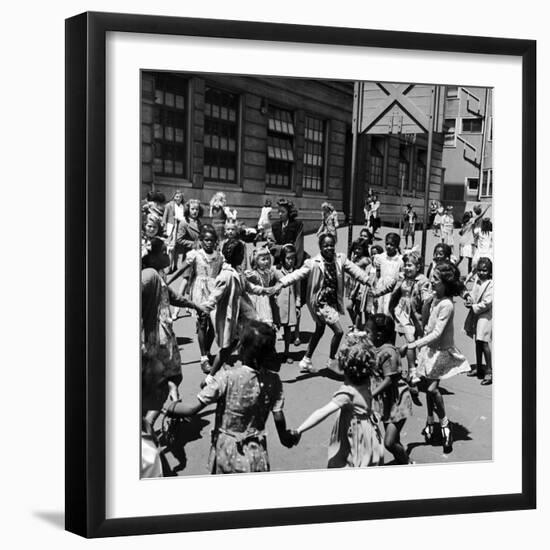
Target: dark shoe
x=414 y=396
x=447 y=437
x=487 y=381
x=297 y=341
x=428 y=433
x=472 y=373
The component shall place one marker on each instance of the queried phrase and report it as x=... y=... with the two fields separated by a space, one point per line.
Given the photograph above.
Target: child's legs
x=393 y=443
x=222 y=357
x=336 y=338
x=486 y=350
x=479 y=356
x=435 y=394
x=202 y=328
x=315 y=338
x=287 y=333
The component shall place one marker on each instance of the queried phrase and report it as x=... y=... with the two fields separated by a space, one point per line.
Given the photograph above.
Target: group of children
x=385 y=293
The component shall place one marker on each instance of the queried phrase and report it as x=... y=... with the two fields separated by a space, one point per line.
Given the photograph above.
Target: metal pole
x=357 y=89
x=401 y=211
x=428 y=172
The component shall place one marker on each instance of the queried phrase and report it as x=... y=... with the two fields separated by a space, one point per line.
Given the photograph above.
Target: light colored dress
x=412 y=294
x=245 y=398
x=204 y=270
x=265 y=306
x=286 y=300
x=438 y=357
x=389 y=268
x=484 y=245
x=466 y=243
x=447 y=226
x=479 y=323
x=356 y=440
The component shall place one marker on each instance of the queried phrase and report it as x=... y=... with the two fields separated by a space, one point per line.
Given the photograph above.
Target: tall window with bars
x=314 y=154
x=169 y=126
x=420 y=170
x=280 y=148
x=376 y=161
x=220 y=135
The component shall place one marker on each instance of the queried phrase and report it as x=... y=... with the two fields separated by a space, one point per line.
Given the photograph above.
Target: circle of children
x=240 y=306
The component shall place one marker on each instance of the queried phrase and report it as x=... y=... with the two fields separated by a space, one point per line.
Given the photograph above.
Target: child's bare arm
x=178 y=273
x=385 y=384
x=316 y=417
x=180 y=408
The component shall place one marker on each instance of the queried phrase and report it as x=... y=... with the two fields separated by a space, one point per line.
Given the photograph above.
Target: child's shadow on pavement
x=180 y=434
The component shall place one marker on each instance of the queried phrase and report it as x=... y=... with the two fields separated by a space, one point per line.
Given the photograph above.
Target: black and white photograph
x=316 y=273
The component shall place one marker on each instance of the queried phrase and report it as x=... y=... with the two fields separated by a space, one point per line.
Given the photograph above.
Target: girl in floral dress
x=438 y=358
x=406 y=302
x=359 y=254
x=356 y=438
x=203 y=266
x=245 y=395
x=388 y=385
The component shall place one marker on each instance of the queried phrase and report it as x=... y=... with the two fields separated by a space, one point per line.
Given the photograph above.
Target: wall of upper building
x=467 y=151
x=255 y=138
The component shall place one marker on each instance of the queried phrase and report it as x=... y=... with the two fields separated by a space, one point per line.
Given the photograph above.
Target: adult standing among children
x=288 y=229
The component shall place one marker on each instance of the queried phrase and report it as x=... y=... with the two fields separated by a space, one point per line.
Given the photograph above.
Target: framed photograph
x=234 y=187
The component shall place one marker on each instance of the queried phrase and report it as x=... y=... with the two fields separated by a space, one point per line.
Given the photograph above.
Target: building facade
x=255 y=138
x=258 y=138
x=468 y=147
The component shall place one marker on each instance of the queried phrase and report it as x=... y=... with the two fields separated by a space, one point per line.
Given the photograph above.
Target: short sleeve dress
x=395 y=403
x=356 y=440
x=244 y=397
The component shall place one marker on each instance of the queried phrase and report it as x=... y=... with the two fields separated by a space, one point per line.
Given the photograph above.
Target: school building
x=468 y=147
x=258 y=138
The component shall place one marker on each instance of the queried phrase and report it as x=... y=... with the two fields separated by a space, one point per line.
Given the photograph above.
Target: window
x=487 y=183
x=452 y=92
x=312 y=179
x=220 y=135
x=376 y=161
x=420 y=171
x=472 y=185
x=280 y=148
x=169 y=126
x=449 y=132
x=490 y=133
x=471 y=125
x=403 y=172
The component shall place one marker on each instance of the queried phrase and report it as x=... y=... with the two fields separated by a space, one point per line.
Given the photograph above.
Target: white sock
x=444 y=422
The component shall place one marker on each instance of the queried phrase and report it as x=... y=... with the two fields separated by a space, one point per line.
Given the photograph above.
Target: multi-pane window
x=376 y=161
x=220 y=135
x=472 y=185
x=487 y=183
x=280 y=148
x=169 y=126
x=314 y=152
x=471 y=125
x=449 y=132
x=420 y=170
x=403 y=167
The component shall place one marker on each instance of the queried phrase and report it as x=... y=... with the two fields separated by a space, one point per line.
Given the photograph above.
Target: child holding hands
x=356 y=438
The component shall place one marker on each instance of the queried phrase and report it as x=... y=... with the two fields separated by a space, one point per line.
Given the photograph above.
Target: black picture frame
x=86 y=284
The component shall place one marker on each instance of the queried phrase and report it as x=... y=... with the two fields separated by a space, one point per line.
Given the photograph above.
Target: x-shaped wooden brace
x=396 y=94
